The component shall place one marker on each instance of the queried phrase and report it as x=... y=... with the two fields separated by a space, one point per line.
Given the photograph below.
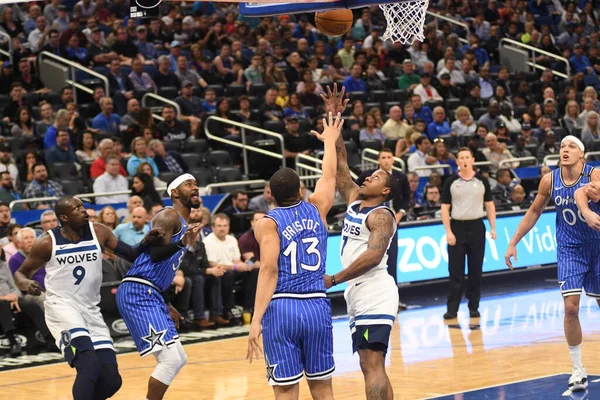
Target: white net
x=405 y=20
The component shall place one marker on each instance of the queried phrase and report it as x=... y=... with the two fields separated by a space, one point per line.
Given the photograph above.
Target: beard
x=8 y=187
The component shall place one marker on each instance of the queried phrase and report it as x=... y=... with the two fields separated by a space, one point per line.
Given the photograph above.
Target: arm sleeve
x=487 y=196
x=405 y=190
x=446 y=193
x=161 y=253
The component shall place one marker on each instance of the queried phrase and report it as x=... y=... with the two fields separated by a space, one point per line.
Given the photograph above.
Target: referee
x=463 y=198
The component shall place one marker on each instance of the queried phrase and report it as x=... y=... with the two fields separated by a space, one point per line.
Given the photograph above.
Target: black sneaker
x=450 y=315
x=15 y=350
x=474 y=314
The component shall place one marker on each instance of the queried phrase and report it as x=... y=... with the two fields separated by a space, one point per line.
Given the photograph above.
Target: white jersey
x=355 y=238
x=74 y=271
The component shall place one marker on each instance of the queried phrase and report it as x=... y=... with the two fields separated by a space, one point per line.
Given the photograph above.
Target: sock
x=11 y=337
x=575 y=352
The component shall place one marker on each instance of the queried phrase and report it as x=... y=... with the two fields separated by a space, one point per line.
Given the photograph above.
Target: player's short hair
x=464 y=149
x=285 y=186
x=62 y=206
x=220 y=216
x=385 y=150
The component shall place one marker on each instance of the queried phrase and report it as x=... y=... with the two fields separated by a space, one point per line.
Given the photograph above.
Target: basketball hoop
x=405 y=20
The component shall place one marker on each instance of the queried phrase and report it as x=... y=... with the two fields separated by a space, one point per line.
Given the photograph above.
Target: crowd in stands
x=422 y=102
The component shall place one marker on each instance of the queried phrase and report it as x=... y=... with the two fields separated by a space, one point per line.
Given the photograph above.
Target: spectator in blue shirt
x=133 y=232
x=175 y=51
x=146 y=49
x=106 y=120
x=439 y=126
x=580 y=63
x=209 y=104
x=353 y=83
x=421 y=111
x=62 y=152
x=60 y=122
x=480 y=54
x=76 y=53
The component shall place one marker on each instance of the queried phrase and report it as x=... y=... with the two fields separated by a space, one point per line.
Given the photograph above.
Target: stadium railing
x=551 y=159
x=534 y=50
x=73 y=68
x=432 y=167
x=453 y=21
x=209 y=188
x=243 y=145
x=5 y=38
x=368 y=162
x=161 y=99
x=514 y=162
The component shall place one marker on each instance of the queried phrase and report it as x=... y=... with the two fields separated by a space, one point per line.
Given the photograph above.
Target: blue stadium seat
x=527 y=172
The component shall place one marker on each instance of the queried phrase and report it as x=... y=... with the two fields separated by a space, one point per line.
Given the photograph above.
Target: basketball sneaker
x=578 y=381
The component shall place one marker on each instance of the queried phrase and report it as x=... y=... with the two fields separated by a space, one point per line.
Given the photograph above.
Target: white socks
x=575 y=352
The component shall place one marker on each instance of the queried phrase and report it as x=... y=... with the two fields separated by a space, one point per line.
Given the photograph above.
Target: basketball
x=334 y=22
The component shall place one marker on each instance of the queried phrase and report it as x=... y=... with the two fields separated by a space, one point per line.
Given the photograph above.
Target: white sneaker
x=578 y=381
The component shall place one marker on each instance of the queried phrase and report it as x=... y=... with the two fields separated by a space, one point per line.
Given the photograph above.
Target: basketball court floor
x=515 y=351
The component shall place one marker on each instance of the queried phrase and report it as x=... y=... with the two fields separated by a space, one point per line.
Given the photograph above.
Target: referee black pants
x=470 y=244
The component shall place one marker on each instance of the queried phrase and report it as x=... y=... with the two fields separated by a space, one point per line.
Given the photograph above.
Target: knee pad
x=111 y=379
x=169 y=363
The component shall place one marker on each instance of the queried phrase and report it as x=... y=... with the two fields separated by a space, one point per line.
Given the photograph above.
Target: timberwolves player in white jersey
x=577 y=251
x=291 y=305
x=72 y=254
x=372 y=294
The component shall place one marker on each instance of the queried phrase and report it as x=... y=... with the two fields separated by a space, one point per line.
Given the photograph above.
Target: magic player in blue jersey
x=151 y=323
x=291 y=304
x=577 y=243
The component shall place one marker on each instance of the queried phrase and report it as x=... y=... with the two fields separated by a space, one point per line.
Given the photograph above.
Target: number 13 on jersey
x=292 y=252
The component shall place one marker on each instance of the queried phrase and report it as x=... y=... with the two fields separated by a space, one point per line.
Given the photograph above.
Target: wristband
x=333 y=282
x=234 y=267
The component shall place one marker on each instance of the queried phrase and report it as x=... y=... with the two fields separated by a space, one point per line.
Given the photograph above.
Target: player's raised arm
x=590 y=192
x=382 y=224
x=531 y=217
x=268 y=239
x=324 y=193
x=40 y=254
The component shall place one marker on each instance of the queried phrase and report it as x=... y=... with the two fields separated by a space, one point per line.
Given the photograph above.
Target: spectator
x=139 y=155
x=518 y=199
x=7 y=164
x=264 y=202
x=439 y=126
x=5 y=220
x=47 y=118
x=421 y=158
x=501 y=193
x=108 y=216
x=487 y=85
x=84 y=9
x=519 y=150
x=346 y=53
x=145 y=168
x=106 y=121
x=77 y=53
x=147 y=50
x=139 y=79
x=62 y=152
x=133 y=232
x=24 y=125
x=166 y=161
x=464 y=126
x=508 y=118
x=190 y=105
x=591 y=131
x=165 y=77
x=409 y=80
x=9 y=113
x=571 y=119
x=370 y=131
x=254 y=74
x=239 y=203
x=295 y=108
x=447 y=89
x=426 y=91
x=496 y=152
x=222 y=251
x=443 y=156
x=431 y=202
x=25 y=238
x=580 y=63
x=41 y=186
x=99 y=54
x=118 y=83
x=545 y=126
x=37 y=38
x=143 y=186
x=171 y=129
x=490 y=118
x=354 y=83
x=98 y=167
x=133 y=113
x=209 y=104
x=416 y=197
x=13 y=247
x=125 y=47
x=31 y=83
x=8 y=193
x=184 y=74
x=295 y=142
x=48 y=221
x=421 y=111
x=395 y=127
x=111 y=181
x=270 y=111
x=502 y=132
x=11 y=297
x=248 y=245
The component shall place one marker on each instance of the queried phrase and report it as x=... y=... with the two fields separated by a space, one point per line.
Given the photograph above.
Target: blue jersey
x=571 y=228
x=159 y=274
x=303 y=250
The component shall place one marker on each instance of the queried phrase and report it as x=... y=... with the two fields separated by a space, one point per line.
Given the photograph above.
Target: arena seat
x=193 y=160
x=219 y=158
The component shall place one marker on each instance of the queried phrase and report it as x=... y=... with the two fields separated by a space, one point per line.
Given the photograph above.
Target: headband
x=178 y=181
x=575 y=140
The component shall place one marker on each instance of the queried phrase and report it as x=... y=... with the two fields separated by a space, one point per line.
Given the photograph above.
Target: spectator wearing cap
x=426 y=91
x=421 y=112
x=164 y=77
x=146 y=49
x=175 y=52
x=527 y=132
x=189 y=104
x=502 y=132
x=409 y=80
x=185 y=74
x=395 y=127
x=579 y=62
x=6 y=77
x=98 y=52
x=62 y=20
x=519 y=151
x=446 y=88
x=489 y=118
x=106 y=120
x=550 y=109
x=372 y=38
x=62 y=152
x=548 y=147
x=139 y=79
x=439 y=126
x=354 y=83
x=51 y=10
x=208 y=73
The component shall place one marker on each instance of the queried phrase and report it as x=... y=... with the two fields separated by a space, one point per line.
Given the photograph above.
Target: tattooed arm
x=381 y=223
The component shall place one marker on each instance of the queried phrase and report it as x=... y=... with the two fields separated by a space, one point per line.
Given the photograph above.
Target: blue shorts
x=298 y=337
x=579 y=268
x=147 y=317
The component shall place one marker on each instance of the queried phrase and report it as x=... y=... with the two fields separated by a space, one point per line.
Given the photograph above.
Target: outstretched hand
x=154 y=236
x=331 y=128
x=334 y=102
x=190 y=236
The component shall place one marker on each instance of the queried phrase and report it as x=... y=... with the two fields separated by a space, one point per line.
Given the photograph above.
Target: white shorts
x=373 y=301
x=64 y=316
